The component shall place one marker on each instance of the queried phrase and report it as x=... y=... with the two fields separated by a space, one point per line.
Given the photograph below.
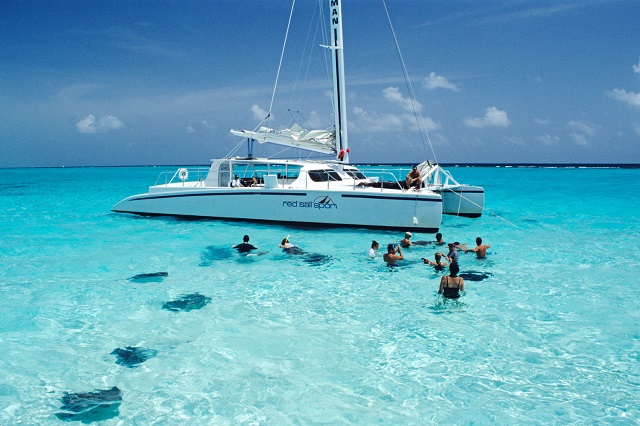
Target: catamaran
x=306 y=192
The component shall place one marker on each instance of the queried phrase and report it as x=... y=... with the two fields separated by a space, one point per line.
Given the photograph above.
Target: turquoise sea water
x=550 y=336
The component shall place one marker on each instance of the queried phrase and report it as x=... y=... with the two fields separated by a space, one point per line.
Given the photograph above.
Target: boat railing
x=384 y=178
x=187 y=176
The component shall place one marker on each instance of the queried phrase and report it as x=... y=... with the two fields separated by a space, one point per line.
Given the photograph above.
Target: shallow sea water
x=550 y=336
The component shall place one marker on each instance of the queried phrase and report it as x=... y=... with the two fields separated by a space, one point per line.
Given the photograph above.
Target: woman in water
x=451 y=285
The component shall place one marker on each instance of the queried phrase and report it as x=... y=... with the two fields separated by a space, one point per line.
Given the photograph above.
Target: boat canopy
x=323 y=141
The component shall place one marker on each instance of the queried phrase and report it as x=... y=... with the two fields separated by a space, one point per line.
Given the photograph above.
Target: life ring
x=183 y=174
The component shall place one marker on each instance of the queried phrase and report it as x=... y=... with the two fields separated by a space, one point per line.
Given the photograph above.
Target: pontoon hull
x=462 y=200
x=415 y=211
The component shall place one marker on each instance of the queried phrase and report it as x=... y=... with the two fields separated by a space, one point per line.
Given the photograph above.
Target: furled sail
x=323 y=141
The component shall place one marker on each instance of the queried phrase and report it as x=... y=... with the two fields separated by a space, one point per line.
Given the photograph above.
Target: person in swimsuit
x=393 y=254
x=414 y=178
x=406 y=241
x=480 y=250
x=372 y=250
x=245 y=247
x=451 y=285
x=439 y=240
x=438 y=265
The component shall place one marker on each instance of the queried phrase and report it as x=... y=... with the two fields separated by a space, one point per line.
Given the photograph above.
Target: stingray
x=155 y=277
x=294 y=250
x=187 y=302
x=475 y=275
x=212 y=254
x=131 y=356
x=316 y=258
x=89 y=407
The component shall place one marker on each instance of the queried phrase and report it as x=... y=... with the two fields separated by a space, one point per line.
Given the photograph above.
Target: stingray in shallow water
x=187 y=302
x=131 y=356
x=475 y=275
x=151 y=277
x=316 y=258
x=89 y=407
x=311 y=258
x=212 y=254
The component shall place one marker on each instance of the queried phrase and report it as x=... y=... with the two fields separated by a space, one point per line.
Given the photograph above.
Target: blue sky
x=99 y=83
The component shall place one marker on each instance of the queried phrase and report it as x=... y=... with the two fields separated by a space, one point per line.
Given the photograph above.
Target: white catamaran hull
x=416 y=211
x=462 y=200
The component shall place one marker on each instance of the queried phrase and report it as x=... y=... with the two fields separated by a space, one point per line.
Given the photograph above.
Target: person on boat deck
x=235 y=183
x=405 y=241
x=245 y=247
x=393 y=254
x=438 y=265
x=372 y=251
x=254 y=181
x=452 y=256
x=451 y=285
x=439 y=240
x=414 y=178
x=480 y=250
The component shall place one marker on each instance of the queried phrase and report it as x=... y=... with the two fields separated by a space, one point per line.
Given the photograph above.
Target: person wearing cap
x=245 y=247
x=452 y=256
x=414 y=178
x=235 y=183
x=405 y=242
x=393 y=254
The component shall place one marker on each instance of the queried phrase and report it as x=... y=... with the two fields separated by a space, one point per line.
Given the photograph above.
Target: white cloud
x=579 y=139
x=636 y=68
x=373 y=121
x=191 y=129
x=393 y=94
x=259 y=113
x=434 y=81
x=542 y=121
x=89 y=124
x=581 y=127
x=548 y=139
x=622 y=95
x=493 y=117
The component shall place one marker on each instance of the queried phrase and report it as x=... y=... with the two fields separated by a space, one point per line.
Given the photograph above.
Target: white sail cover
x=323 y=141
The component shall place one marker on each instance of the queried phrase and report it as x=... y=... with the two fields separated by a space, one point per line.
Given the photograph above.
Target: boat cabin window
x=324 y=175
x=356 y=174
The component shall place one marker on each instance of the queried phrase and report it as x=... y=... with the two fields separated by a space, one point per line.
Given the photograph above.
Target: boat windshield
x=259 y=170
x=356 y=174
x=324 y=175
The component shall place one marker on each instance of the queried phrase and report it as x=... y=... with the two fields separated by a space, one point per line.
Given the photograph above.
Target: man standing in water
x=245 y=247
x=393 y=254
x=480 y=250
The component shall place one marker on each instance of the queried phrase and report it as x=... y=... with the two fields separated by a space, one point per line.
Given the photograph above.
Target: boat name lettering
x=334 y=12
x=323 y=202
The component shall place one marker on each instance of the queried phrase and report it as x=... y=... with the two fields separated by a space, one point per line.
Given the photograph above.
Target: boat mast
x=339 y=98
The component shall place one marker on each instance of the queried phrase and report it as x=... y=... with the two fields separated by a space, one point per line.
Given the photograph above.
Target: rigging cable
x=284 y=45
x=416 y=112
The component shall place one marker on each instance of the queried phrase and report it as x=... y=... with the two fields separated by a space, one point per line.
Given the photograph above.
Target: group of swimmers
x=450 y=285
